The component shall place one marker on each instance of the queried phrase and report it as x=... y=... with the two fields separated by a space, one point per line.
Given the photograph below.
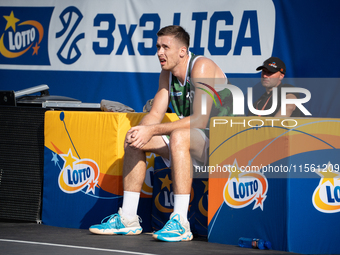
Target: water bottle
x=254 y=243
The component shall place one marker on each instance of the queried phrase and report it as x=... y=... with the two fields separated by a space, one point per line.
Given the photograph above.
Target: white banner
x=120 y=36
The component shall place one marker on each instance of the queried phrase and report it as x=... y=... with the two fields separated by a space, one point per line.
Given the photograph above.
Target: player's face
x=168 y=52
x=270 y=80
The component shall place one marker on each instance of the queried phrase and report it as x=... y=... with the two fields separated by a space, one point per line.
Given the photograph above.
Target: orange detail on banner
x=110 y=183
x=94 y=138
x=56 y=149
x=253 y=146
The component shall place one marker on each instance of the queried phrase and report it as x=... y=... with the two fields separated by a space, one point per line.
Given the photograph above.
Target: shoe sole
x=110 y=232
x=187 y=237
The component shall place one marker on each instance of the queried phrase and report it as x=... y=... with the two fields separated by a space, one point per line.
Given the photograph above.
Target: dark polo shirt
x=266 y=100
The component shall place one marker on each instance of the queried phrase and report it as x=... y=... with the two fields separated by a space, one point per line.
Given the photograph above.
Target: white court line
x=74 y=247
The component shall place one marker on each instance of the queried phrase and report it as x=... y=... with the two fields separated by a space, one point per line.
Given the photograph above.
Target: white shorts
x=195 y=162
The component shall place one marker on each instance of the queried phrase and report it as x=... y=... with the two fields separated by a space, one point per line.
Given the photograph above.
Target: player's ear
x=183 y=51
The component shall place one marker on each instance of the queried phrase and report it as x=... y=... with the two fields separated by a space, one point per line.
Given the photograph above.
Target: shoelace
x=176 y=223
x=111 y=219
x=114 y=222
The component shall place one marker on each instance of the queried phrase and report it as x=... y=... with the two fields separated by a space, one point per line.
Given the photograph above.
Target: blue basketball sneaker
x=117 y=224
x=175 y=230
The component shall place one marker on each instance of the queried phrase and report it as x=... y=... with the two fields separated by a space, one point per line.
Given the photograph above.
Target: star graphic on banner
x=234 y=171
x=69 y=159
x=150 y=159
x=91 y=186
x=35 y=49
x=166 y=182
x=11 y=21
x=55 y=158
x=259 y=201
x=327 y=174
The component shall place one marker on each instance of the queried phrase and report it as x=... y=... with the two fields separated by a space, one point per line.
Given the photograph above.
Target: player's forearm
x=169 y=127
x=150 y=119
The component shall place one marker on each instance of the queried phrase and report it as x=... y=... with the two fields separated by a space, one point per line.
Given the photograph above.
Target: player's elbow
x=198 y=122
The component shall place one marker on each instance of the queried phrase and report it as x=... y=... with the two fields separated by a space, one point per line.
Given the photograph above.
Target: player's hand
x=130 y=137
x=138 y=136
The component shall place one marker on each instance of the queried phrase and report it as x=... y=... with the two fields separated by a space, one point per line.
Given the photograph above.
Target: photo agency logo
x=238 y=103
x=204 y=97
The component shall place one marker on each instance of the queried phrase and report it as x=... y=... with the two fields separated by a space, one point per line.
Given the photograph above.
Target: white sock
x=130 y=204
x=181 y=205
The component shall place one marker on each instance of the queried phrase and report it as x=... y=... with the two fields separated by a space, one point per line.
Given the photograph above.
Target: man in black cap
x=273 y=71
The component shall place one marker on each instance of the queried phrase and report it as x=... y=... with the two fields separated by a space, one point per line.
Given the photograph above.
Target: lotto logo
x=24 y=37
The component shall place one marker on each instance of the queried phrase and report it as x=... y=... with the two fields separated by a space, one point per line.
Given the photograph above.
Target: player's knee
x=179 y=137
x=128 y=150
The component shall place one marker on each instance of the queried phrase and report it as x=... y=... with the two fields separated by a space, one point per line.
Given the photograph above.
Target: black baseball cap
x=273 y=64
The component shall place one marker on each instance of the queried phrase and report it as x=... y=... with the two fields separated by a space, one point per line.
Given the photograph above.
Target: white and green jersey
x=182 y=95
